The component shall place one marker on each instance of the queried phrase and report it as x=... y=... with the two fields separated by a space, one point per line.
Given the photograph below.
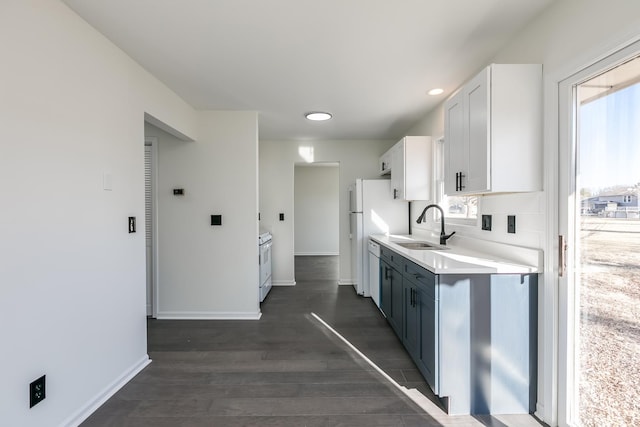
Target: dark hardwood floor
x=282 y=370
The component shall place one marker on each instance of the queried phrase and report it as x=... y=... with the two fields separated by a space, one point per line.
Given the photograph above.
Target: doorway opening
x=317 y=220
x=600 y=217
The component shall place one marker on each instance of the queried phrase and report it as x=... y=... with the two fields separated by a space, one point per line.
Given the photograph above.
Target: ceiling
x=368 y=62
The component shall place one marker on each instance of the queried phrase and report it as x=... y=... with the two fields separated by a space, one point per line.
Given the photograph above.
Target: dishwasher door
x=374 y=271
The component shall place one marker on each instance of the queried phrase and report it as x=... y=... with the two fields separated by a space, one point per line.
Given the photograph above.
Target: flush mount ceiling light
x=318 y=116
x=436 y=91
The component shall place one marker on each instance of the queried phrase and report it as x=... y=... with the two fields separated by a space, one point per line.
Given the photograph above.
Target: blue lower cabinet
x=395 y=319
x=410 y=318
x=473 y=337
x=385 y=288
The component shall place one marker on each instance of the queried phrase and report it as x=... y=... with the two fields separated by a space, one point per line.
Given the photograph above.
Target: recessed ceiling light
x=318 y=116
x=436 y=91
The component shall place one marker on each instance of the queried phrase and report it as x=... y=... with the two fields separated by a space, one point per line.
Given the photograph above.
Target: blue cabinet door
x=397 y=301
x=385 y=288
x=410 y=317
x=428 y=342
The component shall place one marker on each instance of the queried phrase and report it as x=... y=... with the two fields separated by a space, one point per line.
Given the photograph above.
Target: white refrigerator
x=372 y=210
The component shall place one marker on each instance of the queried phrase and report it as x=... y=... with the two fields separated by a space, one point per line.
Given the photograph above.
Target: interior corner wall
x=208 y=271
x=72 y=278
x=316 y=210
x=358 y=159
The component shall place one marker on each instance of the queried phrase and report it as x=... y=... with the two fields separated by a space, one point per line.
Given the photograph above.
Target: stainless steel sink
x=421 y=246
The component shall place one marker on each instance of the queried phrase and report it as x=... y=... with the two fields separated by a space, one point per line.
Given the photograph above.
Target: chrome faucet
x=443 y=235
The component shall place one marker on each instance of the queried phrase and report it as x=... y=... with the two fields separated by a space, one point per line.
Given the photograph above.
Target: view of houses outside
x=608 y=276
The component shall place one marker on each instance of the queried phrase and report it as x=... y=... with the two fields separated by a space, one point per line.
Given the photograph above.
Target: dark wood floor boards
x=282 y=370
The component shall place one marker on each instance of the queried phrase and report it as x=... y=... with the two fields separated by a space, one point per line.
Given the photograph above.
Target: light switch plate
x=107 y=181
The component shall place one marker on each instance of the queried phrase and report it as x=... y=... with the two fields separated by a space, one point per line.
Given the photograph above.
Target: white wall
x=72 y=279
x=565 y=38
x=316 y=209
x=209 y=271
x=358 y=159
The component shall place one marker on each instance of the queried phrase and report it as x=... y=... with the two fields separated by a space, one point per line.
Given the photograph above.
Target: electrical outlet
x=37 y=391
x=486 y=222
x=281 y=217
x=216 y=219
x=511 y=223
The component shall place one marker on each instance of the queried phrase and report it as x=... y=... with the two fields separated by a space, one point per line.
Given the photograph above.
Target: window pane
x=607 y=289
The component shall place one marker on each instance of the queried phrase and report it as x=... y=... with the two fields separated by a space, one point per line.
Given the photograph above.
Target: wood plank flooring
x=283 y=370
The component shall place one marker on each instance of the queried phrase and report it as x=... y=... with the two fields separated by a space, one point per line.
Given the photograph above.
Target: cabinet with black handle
x=391 y=301
x=465 y=332
x=493 y=132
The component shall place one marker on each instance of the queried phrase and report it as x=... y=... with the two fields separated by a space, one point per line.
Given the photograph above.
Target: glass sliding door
x=599 y=246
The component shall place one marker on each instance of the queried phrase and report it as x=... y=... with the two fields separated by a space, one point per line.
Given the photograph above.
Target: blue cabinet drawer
x=425 y=279
x=392 y=258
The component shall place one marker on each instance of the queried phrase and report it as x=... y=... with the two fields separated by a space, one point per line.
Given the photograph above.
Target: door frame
x=564 y=224
x=152 y=141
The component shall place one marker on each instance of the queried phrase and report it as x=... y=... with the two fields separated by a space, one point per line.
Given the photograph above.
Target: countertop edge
x=455 y=259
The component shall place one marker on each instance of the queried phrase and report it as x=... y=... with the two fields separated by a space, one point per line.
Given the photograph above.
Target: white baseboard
x=92 y=405
x=316 y=254
x=343 y=282
x=283 y=283
x=208 y=315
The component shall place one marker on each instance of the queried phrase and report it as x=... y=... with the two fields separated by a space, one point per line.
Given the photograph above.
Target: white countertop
x=456 y=259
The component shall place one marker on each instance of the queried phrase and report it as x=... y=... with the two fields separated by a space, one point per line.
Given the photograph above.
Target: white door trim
x=566 y=202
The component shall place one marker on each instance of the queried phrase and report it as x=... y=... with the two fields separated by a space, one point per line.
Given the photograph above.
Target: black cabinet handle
x=459 y=186
x=395 y=193
x=386 y=273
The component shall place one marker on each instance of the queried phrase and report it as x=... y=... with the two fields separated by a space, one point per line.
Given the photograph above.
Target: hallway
x=283 y=370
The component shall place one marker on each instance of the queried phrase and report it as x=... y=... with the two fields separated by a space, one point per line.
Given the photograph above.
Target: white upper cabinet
x=493 y=132
x=384 y=165
x=410 y=168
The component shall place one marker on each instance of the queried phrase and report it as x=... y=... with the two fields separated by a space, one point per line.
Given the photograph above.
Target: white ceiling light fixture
x=318 y=116
x=436 y=91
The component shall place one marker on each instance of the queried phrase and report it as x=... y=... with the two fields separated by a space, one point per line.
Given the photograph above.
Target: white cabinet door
x=398 y=170
x=411 y=168
x=456 y=158
x=493 y=132
x=384 y=165
x=477 y=101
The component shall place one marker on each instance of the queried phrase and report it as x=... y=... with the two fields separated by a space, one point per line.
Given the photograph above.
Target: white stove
x=264 y=246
